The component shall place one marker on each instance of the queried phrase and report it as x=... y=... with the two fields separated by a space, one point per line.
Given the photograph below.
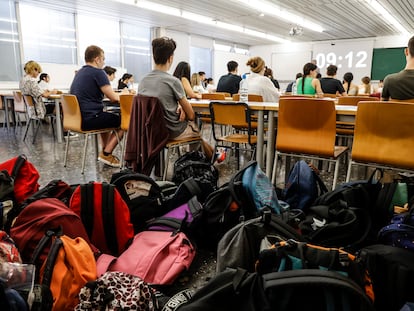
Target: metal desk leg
x=271 y=138
x=260 y=138
x=59 y=127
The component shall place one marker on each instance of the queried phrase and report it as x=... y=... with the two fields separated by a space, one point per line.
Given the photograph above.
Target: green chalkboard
x=386 y=61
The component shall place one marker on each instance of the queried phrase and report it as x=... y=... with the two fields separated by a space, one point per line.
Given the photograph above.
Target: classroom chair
x=383 y=136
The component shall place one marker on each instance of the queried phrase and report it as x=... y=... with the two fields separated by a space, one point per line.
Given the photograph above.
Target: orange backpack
x=70 y=264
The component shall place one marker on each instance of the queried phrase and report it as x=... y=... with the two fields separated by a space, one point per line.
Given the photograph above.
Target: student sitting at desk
x=400 y=85
x=331 y=85
x=90 y=85
x=182 y=72
x=258 y=84
x=29 y=86
x=309 y=84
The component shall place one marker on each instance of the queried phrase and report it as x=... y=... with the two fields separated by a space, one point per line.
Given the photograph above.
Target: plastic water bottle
x=244 y=90
x=294 y=91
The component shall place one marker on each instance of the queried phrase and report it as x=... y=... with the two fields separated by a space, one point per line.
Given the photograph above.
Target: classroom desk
x=59 y=126
x=8 y=99
x=344 y=113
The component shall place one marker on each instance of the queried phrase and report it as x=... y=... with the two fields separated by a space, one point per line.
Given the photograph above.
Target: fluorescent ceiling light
x=200 y=19
x=387 y=16
x=274 y=10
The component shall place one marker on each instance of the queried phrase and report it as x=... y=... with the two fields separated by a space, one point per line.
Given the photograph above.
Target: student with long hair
x=183 y=72
x=308 y=84
x=350 y=87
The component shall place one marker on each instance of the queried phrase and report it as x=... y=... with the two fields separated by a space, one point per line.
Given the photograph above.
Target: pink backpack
x=157 y=257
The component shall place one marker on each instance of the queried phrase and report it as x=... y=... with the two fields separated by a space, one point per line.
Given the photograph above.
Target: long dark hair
x=306 y=72
x=348 y=77
x=42 y=77
x=182 y=70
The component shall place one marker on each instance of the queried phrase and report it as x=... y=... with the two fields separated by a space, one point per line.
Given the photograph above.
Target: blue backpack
x=303 y=186
x=259 y=188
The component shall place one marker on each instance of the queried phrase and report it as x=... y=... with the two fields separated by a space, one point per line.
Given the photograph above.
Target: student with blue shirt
x=90 y=85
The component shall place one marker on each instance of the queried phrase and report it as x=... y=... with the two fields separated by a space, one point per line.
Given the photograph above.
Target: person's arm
x=317 y=85
x=188 y=89
x=187 y=108
x=110 y=94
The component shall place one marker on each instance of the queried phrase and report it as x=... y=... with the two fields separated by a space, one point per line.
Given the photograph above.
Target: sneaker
x=220 y=156
x=110 y=160
x=70 y=135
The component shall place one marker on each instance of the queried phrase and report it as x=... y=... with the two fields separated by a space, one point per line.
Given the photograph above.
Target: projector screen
x=355 y=57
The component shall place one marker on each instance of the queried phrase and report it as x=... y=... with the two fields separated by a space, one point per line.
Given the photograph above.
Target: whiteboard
x=286 y=65
x=221 y=59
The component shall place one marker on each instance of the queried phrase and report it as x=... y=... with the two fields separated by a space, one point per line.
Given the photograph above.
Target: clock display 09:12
x=350 y=60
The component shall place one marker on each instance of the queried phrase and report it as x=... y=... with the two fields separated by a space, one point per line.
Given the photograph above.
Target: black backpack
x=231 y=204
x=143 y=195
x=195 y=165
x=392 y=273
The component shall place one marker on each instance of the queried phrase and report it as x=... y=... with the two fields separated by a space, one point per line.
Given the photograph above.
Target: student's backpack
x=359 y=194
x=303 y=186
x=232 y=289
x=54 y=189
x=115 y=291
x=337 y=225
x=105 y=215
x=239 y=199
x=195 y=165
x=400 y=231
x=240 y=246
x=183 y=218
x=392 y=273
x=8 y=249
x=18 y=179
x=143 y=196
x=157 y=257
x=313 y=290
x=40 y=216
x=284 y=255
x=69 y=265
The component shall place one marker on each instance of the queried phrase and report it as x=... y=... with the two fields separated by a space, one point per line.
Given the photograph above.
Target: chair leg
x=66 y=150
x=348 y=173
x=335 y=178
x=85 y=146
x=166 y=161
x=39 y=123
x=27 y=129
x=123 y=148
x=274 y=169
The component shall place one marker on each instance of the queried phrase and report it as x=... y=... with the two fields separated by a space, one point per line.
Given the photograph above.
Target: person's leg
x=112 y=142
x=108 y=140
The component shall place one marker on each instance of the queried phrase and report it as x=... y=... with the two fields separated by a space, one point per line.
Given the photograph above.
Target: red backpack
x=37 y=218
x=24 y=177
x=105 y=216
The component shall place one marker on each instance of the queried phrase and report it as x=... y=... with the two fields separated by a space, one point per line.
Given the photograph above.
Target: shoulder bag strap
x=87 y=206
x=108 y=217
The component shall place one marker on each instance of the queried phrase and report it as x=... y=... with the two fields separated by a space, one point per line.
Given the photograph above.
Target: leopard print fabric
x=116 y=291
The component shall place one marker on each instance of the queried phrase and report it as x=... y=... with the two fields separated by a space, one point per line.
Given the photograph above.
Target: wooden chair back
x=354 y=100
x=19 y=105
x=72 y=118
x=125 y=103
x=250 y=98
x=306 y=125
x=213 y=96
x=383 y=134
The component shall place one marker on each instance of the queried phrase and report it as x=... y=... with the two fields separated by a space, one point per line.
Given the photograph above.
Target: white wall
x=293 y=56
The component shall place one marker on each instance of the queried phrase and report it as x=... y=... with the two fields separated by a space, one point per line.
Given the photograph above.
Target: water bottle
x=294 y=91
x=244 y=90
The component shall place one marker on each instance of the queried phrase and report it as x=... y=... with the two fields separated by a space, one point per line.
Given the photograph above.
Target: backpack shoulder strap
x=108 y=216
x=21 y=159
x=87 y=206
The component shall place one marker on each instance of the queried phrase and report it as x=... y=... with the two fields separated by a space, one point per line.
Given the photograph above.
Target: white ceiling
x=341 y=19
